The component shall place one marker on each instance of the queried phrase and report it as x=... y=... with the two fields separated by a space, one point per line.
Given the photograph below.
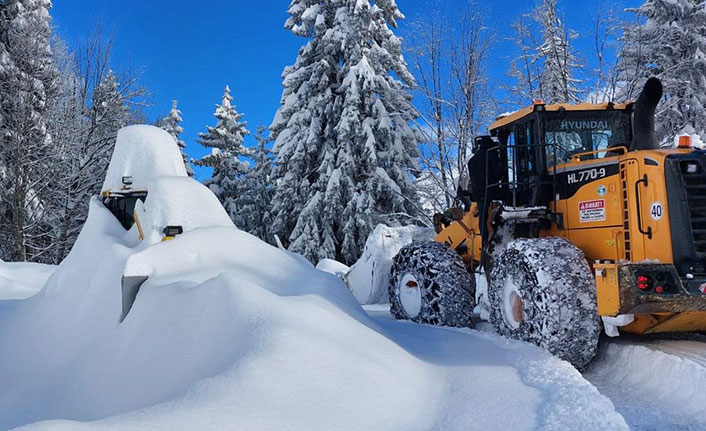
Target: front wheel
x=429 y=283
x=543 y=291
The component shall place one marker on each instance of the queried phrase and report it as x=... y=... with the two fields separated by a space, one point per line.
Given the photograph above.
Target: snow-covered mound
x=20 y=280
x=143 y=152
x=231 y=333
x=180 y=201
x=220 y=304
x=369 y=276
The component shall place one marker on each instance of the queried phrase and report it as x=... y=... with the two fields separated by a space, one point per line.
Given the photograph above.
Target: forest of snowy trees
x=60 y=110
x=374 y=125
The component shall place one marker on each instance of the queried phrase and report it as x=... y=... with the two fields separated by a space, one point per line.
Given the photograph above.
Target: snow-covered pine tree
x=344 y=147
x=255 y=201
x=668 y=41
x=27 y=81
x=172 y=125
x=226 y=143
x=546 y=69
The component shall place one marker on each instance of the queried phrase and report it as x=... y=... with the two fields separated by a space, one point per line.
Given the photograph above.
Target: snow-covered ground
x=654 y=383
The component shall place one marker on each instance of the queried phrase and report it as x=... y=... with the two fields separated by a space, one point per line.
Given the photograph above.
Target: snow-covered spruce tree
x=255 y=200
x=668 y=41
x=27 y=80
x=172 y=125
x=344 y=147
x=546 y=68
x=226 y=143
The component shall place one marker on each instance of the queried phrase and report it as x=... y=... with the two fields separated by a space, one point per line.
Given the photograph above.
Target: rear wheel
x=429 y=283
x=542 y=291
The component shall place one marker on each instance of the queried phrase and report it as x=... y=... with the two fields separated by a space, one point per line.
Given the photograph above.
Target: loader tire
x=542 y=291
x=429 y=283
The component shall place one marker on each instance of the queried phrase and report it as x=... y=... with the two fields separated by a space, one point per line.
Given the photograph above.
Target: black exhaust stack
x=643 y=122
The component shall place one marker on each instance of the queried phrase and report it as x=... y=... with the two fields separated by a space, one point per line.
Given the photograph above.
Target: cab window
x=569 y=133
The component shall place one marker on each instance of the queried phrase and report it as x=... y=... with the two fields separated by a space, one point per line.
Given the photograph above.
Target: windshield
x=568 y=133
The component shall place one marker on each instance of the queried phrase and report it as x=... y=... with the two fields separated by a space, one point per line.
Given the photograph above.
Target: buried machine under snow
x=144 y=160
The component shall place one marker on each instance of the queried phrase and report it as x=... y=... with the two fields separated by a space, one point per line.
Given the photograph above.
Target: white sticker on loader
x=590 y=211
x=656 y=211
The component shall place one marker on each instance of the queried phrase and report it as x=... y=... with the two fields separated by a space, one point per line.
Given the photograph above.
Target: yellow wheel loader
x=579 y=221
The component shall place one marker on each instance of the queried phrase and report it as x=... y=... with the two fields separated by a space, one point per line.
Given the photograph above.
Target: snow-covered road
x=654 y=383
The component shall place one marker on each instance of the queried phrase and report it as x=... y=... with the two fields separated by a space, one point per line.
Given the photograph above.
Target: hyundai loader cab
x=579 y=219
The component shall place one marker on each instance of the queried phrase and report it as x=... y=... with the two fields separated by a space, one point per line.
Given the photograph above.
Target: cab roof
x=504 y=120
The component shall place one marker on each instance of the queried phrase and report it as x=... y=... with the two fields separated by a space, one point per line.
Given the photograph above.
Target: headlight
x=173 y=230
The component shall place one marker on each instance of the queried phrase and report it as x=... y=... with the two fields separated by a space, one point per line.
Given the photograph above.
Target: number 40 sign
x=656 y=211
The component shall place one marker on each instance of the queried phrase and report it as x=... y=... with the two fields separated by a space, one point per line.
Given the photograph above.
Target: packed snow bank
x=227 y=329
x=369 y=276
x=20 y=280
x=654 y=384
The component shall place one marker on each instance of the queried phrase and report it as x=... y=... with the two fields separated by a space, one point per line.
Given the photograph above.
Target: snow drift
x=20 y=280
x=369 y=276
x=229 y=332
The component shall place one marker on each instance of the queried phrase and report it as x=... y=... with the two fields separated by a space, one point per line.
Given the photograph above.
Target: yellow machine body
x=614 y=205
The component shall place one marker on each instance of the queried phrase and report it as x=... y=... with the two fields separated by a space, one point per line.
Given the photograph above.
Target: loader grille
x=695 y=183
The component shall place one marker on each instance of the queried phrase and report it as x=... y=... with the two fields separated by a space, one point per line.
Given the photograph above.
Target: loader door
x=527 y=183
x=649 y=227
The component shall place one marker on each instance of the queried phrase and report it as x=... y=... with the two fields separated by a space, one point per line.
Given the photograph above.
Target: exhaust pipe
x=643 y=122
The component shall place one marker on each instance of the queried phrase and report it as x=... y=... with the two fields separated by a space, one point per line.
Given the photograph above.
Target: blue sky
x=190 y=50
